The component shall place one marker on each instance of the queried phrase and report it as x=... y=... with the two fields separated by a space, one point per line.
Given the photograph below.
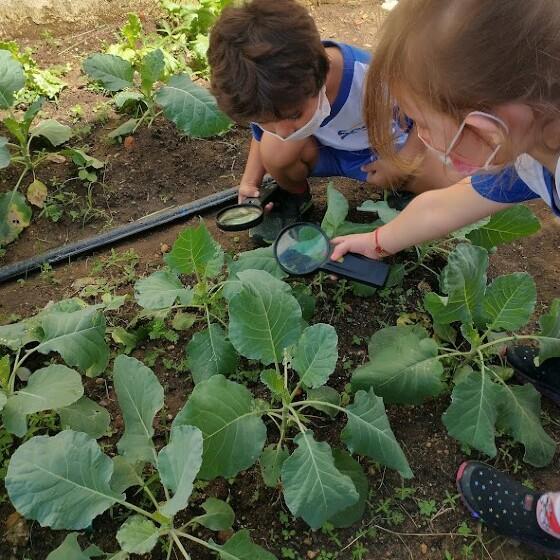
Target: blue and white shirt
x=345 y=128
x=527 y=180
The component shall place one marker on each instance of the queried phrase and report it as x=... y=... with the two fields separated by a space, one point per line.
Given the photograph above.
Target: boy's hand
x=247 y=190
x=383 y=174
x=361 y=243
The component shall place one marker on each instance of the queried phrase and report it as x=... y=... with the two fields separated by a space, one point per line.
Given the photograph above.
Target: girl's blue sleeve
x=505 y=187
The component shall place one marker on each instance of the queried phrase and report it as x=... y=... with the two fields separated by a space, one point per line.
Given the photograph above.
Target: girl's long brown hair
x=458 y=56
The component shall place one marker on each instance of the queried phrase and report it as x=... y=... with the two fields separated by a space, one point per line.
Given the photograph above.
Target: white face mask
x=322 y=112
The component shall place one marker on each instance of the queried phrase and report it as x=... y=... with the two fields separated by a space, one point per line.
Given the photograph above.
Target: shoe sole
x=475 y=515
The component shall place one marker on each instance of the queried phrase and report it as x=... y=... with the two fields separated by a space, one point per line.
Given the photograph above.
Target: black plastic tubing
x=157 y=219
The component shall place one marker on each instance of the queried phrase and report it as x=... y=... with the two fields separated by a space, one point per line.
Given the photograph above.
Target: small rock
x=312 y=554
x=164 y=248
x=99 y=381
x=308 y=541
x=129 y=143
x=424 y=548
x=170 y=417
x=429 y=444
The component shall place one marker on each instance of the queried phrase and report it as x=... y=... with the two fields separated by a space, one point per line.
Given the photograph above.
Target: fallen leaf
x=17 y=533
x=37 y=193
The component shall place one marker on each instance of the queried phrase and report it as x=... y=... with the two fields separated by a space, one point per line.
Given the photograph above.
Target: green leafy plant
x=20 y=149
x=43 y=82
x=66 y=481
x=76 y=332
x=189 y=24
x=265 y=323
x=192 y=108
x=408 y=366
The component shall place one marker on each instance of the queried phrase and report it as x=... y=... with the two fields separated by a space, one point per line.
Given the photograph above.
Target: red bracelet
x=379 y=251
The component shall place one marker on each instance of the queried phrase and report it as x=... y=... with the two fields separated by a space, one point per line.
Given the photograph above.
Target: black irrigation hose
x=166 y=216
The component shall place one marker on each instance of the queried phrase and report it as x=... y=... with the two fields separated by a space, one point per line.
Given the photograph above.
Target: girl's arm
x=429 y=216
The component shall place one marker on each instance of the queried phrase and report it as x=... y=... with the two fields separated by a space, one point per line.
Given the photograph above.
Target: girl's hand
x=361 y=243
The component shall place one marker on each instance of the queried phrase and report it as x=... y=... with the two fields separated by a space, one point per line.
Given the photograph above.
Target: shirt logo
x=343 y=134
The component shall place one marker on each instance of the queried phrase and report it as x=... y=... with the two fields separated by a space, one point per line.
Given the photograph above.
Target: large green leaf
x=178 y=464
x=113 y=72
x=509 y=302
x=196 y=252
x=78 y=336
x=140 y=397
x=259 y=259
x=53 y=131
x=348 y=466
x=210 y=353
x=471 y=417
x=368 y=433
x=192 y=108
x=5 y=156
x=316 y=354
x=218 y=517
x=86 y=416
x=403 y=366
x=62 y=481
x=138 y=535
x=271 y=462
x=125 y=474
x=151 y=69
x=161 y=290
x=505 y=226
x=464 y=280
x=520 y=417
x=12 y=78
x=15 y=215
x=263 y=318
x=52 y=387
x=337 y=210
x=234 y=434
x=550 y=333
x=69 y=550
x=314 y=489
x=240 y=547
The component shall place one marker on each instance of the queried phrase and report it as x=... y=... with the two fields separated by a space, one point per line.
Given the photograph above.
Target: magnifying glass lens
x=302 y=248
x=239 y=215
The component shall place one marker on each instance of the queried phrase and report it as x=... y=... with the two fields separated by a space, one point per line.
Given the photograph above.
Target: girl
x=481 y=81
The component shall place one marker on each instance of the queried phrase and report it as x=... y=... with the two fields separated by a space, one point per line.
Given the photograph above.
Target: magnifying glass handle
x=360 y=269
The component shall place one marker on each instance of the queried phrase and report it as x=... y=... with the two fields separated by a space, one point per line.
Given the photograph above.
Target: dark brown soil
x=163 y=169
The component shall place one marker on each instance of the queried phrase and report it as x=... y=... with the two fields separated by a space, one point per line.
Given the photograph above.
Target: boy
x=303 y=98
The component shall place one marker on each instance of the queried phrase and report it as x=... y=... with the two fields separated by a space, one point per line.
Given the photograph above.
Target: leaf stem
x=180 y=545
x=200 y=542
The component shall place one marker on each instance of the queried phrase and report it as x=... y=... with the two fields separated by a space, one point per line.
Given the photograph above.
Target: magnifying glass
x=249 y=214
x=304 y=248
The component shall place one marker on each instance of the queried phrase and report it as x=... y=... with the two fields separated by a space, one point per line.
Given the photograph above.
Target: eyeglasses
x=470 y=149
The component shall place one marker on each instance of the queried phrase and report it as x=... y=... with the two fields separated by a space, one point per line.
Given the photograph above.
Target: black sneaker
x=399 y=200
x=287 y=209
x=505 y=505
x=545 y=378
